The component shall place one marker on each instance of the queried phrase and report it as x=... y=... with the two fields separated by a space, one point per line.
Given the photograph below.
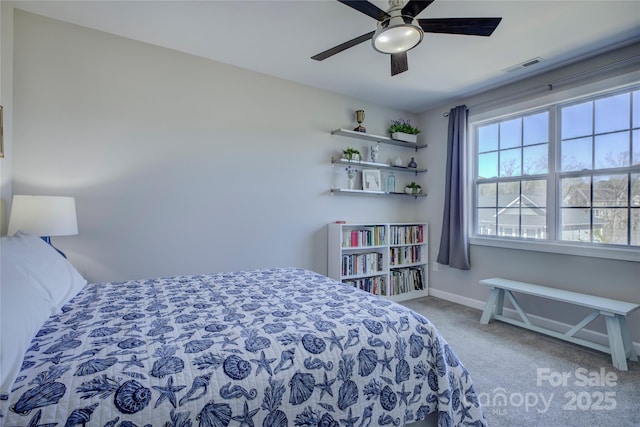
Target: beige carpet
x=528 y=379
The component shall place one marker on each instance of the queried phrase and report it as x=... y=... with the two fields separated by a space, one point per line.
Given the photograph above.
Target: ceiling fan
x=399 y=30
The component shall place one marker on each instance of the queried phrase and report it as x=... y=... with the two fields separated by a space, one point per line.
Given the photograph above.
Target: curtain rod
x=550 y=85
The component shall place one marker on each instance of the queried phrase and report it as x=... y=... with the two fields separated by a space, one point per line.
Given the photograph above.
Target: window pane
x=610 y=226
x=612 y=113
x=534 y=193
x=509 y=222
x=534 y=223
x=576 y=192
x=636 y=147
x=610 y=190
x=536 y=129
x=576 y=154
x=508 y=194
x=487 y=195
x=488 y=165
x=577 y=120
x=511 y=133
x=488 y=138
x=510 y=163
x=636 y=109
x=486 y=221
x=635 y=227
x=535 y=159
x=635 y=190
x=575 y=225
x=612 y=150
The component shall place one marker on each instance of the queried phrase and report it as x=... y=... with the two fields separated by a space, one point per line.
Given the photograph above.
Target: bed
x=269 y=347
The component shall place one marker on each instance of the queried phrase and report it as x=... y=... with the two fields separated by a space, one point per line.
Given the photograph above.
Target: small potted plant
x=402 y=130
x=351 y=154
x=413 y=189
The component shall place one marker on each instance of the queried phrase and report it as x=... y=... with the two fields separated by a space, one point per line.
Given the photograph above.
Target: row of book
x=406 y=234
x=365 y=263
x=363 y=236
x=404 y=255
x=405 y=280
x=373 y=285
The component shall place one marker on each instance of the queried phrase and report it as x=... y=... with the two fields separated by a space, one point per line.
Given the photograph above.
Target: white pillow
x=24 y=307
x=44 y=265
x=35 y=282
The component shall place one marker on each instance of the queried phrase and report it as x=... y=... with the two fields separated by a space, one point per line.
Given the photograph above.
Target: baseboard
x=588 y=334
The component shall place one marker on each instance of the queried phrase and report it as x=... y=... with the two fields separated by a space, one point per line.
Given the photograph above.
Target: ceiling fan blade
x=344 y=46
x=468 y=26
x=367 y=8
x=414 y=7
x=399 y=63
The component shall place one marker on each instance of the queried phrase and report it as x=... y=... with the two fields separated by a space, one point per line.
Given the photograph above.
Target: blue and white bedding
x=272 y=347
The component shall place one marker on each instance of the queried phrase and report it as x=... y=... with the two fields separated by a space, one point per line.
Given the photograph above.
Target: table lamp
x=44 y=216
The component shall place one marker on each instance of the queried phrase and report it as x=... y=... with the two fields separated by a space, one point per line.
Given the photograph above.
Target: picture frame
x=1 y=133
x=371 y=180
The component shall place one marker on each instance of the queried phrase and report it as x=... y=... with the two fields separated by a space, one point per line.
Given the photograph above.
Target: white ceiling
x=279 y=37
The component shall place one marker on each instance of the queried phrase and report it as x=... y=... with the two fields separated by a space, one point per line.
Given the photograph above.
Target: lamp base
x=48 y=240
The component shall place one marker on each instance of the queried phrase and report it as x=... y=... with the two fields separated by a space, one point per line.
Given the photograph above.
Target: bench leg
x=616 y=342
x=500 y=302
x=626 y=340
x=494 y=296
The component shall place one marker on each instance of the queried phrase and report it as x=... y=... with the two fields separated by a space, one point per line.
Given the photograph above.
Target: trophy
x=360 y=119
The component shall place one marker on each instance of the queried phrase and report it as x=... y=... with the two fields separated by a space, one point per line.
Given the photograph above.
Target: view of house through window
x=568 y=172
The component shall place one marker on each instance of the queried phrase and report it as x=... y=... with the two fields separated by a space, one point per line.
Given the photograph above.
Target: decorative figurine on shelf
x=360 y=119
x=391 y=183
x=351 y=176
x=374 y=150
x=412 y=164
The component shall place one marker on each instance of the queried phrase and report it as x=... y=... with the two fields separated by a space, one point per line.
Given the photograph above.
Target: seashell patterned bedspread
x=270 y=347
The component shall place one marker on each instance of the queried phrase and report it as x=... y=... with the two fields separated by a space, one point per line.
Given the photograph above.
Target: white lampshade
x=43 y=215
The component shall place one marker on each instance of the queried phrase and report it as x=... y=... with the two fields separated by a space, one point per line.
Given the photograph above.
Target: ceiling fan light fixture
x=395 y=36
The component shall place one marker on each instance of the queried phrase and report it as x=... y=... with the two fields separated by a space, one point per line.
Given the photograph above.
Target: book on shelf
x=363 y=236
x=404 y=255
x=365 y=263
x=404 y=280
x=374 y=285
x=406 y=234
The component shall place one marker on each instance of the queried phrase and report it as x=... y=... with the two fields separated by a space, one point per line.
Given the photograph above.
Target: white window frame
x=550 y=101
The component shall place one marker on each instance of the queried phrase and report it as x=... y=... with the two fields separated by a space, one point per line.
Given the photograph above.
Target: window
x=566 y=173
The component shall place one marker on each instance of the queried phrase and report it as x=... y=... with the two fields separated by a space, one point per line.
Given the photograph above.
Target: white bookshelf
x=387 y=259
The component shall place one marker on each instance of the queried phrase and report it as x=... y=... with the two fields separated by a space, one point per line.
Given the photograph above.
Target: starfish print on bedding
x=228 y=341
x=386 y=362
x=391 y=325
x=350 y=421
x=402 y=395
x=247 y=417
x=134 y=361
x=263 y=363
x=325 y=387
x=168 y=392
x=335 y=340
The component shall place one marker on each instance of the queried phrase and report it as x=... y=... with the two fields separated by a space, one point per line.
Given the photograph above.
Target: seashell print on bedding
x=271 y=348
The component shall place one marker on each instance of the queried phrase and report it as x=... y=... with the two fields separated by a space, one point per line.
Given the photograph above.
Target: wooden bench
x=614 y=311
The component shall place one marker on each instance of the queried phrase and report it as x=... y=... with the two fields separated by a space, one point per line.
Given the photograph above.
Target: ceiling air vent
x=525 y=64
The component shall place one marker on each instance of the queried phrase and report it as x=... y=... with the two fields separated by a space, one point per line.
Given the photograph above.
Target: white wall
x=6 y=100
x=180 y=164
x=604 y=277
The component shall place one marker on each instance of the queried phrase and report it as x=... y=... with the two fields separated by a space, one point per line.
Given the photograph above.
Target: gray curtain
x=454 y=243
